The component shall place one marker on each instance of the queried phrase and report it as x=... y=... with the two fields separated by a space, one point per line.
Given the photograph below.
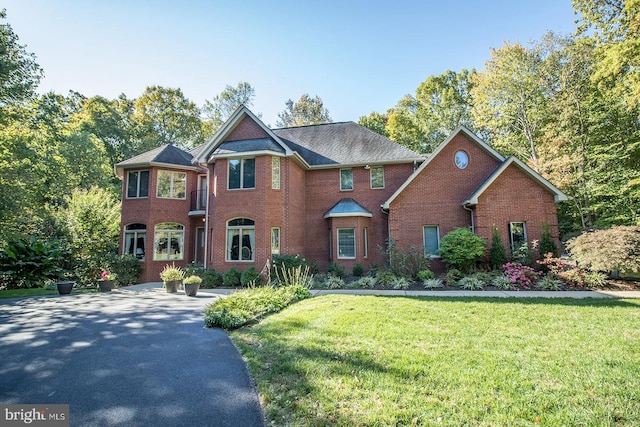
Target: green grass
x=20 y=293
x=382 y=361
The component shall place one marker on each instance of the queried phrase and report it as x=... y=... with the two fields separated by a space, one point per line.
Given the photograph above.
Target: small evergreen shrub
x=547 y=243
x=250 y=277
x=126 y=268
x=424 y=275
x=336 y=269
x=452 y=276
x=357 y=270
x=210 y=279
x=497 y=253
x=471 y=283
x=432 y=283
x=461 y=249
x=231 y=277
x=385 y=277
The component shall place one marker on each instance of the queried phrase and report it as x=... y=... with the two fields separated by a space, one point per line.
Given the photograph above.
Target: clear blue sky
x=358 y=56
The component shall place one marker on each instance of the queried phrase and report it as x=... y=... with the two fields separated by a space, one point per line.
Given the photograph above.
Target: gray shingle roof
x=343 y=143
x=164 y=154
x=245 y=145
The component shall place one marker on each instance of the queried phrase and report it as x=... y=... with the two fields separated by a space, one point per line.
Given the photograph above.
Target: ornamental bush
x=616 y=248
x=522 y=276
x=30 y=263
x=250 y=277
x=231 y=277
x=497 y=253
x=461 y=249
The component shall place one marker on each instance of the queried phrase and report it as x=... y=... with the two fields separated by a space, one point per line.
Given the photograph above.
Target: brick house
x=330 y=193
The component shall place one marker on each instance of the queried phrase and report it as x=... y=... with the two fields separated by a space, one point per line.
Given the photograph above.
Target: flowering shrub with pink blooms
x=522 y=276
x=563 y=269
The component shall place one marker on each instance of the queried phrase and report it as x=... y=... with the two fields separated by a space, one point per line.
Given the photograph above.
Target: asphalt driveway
x=124 y=359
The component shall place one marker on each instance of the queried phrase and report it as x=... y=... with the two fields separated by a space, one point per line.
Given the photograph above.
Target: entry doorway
x=199 y=258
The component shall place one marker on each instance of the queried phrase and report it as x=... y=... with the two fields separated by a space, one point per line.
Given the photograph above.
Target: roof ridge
x=316 y=124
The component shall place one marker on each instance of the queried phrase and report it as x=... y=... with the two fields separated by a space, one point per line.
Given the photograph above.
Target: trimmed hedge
x=249 y=305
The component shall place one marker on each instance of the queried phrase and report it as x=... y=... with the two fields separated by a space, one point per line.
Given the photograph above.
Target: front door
x=200 y=245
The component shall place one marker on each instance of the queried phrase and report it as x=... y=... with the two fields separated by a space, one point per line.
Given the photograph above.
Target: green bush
x=407 y=262
x=126 y=268
x=250 y=277
x=365 y=282
x=452 y=276
x=502 y=282
x=249 y=305
x=432 y=283
x=336 y=269
x=357 y=270
x=400 y=283
x=547 y=243
x=425 y=275
x=30 y=263
x=210 y=277
x=470 y=283
x=461 y=249
x=288 y=261
x=333 y=282
x=616 y=248
x=549 y=283
x=294 y=276
x=385 y=277
x=497 y=253
x=231 y=277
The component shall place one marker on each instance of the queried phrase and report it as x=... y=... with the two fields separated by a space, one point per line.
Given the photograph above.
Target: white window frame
x=424 y=240
x=138 y=172
x=275 y=240
x=133 y=235
x=242 y=161
x=342 y=229
x=275 y=173
x=365 y=242
x=350 y=170
x=173 y=179
x=242 y=230
x=371 y=171
x=175 y=231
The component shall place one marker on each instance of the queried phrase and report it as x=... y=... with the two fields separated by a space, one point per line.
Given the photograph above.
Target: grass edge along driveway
x=367 y=360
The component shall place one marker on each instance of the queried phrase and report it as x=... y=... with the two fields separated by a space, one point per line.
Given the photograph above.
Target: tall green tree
x=220 y=108
x=305 y=111
x=375 y=122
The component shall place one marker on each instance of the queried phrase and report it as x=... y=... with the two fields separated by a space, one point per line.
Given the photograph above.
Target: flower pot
x=64 y=288
x=191 y=289
x=105 y=285
x=172 y=286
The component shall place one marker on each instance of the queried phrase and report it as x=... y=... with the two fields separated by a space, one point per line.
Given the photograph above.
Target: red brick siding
x=246 y=129
x=516 y=197
x=435 y=196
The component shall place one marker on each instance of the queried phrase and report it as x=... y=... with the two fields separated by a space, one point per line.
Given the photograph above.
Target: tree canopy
x=305 y=111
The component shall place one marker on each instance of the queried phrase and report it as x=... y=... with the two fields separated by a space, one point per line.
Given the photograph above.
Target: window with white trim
x=171 y=185
x=137 y=184
x=242 y=174
x=431 y=240
x=168 y=241
x=275 y=240
x=346 y=243
x=240 y=239
x=275 y=173
x=135 y=240
x=377 y=177
x=365 y=243
x=346 y=179
x=517 y=236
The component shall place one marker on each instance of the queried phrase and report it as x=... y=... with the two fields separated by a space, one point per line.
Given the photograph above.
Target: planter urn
x=172 y=286
x=105 y=285
x=65 y=288
x=191 y=289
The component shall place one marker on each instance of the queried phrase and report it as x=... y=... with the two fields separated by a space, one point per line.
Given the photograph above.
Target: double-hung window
x=242 y=173
x=171 y=185
x=275 y=173
x=137 y=184
x=431 y=238
x=346 y=243
x=346 y=179
x=377 y=177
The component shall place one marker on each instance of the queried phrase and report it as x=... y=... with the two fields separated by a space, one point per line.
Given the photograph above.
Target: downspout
x=206 y=219
x=473 y=222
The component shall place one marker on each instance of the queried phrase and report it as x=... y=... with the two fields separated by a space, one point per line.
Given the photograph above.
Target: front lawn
x=25 y=292
x=365 y=360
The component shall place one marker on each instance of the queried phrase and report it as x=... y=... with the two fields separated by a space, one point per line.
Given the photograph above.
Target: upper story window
x=242 y=173
x=377 y=177
x=346 y=179
x=171 y=185
x=461 y=159
x=137 y=184
x=275 y=173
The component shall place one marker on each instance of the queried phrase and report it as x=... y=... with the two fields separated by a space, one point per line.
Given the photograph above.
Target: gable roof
x=346 y=208
x=459 y=129
x=558 y=195
x=345 y=143
x=167 y=154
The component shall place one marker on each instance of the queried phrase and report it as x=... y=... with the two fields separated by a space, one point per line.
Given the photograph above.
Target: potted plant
x=191 y=285
x=106 y=282
x=172 y=277
x=65 y=286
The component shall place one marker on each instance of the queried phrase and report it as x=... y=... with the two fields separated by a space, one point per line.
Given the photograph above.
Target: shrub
x=30 y=263
x=171 y=272
x=249 y=305
x=461 y=249
x=616 y=248
x=497 y=253
x=231 y=277
x=400 y=282
x=336 y=269
x=288 y=261
x=424 y=275
x=250 y=277
x=549 y=283
x=357 y=270
x=210 y=279
x=193 y=279
x=594 y=279
x=563 y=269
x=407 y=262
x=126 y=268
x=547 y=243
x=484 y=277
x=452 y=276
x=294 y=276
x=365 y=282
x=432 y=283
x=385 y=277
x=522 y=276
x=334 y=282
x=502 y=282
x=471 y=283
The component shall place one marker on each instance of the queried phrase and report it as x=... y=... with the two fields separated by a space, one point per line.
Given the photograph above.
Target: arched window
x=135 y=240
x=240 y=239
x=168 y=241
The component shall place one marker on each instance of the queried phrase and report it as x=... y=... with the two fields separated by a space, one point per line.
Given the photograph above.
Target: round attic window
x=462 y=159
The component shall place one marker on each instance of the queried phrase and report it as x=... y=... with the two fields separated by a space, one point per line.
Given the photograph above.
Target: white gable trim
x=437 y=151
x=558 y=195
x=224 y=131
